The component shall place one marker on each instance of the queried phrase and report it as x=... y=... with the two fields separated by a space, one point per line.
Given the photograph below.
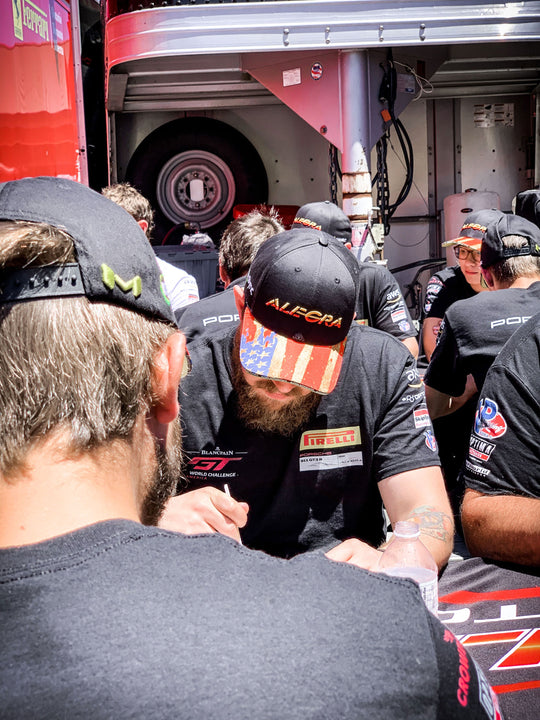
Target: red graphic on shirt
x=214 y=463
x=466 y=597
x=524 y=654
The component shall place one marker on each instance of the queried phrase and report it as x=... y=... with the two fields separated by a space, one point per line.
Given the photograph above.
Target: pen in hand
x=228 y=492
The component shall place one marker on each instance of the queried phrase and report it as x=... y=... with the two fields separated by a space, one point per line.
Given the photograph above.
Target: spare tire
x=193 y=171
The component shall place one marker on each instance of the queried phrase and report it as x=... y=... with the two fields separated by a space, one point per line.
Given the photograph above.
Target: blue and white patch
x=430 y=440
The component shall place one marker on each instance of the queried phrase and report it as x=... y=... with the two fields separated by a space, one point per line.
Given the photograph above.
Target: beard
x=166 y=476
x=262 y=414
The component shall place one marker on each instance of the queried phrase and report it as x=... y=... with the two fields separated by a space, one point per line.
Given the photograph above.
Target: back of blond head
x=67 y=364
x=521 y=266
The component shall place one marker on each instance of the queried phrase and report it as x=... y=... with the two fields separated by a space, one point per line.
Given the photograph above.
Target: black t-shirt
x=443 y=289
x=121 y=621
x=211 y=314
x=473 y=332
x=494 y=611
x=320 y=485
x=380 y=305
x=504 y=453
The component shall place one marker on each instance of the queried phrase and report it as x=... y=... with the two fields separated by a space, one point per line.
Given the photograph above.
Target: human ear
x=225 y=279
x=487 y=278
x=166 y=374
x=143 y=224
x=239 y=299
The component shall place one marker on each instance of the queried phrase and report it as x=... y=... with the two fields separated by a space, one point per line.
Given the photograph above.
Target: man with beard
x=474 y=330
x=103 y=617
x=312 y=421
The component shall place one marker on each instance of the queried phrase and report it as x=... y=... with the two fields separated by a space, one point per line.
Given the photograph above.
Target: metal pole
x=77 y=69
x=356 y=181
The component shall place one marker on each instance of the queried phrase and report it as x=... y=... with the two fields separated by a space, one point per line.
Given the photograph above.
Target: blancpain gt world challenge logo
x=214 y=464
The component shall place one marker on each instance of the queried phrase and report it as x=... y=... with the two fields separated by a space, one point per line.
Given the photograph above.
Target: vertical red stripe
x=316 y=367
x=292 y=353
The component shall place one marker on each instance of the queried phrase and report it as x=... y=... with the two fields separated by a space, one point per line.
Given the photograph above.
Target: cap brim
x=473 y=243
x=268 y=355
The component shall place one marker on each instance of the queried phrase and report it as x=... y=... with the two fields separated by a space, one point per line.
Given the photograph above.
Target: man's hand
x=206 y=510
x=356 y=552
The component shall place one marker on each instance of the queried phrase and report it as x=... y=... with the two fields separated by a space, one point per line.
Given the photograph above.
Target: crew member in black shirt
x=501 y=507
x=474 y=330
x=444 y=289
x=310 y=420
x=458 y=281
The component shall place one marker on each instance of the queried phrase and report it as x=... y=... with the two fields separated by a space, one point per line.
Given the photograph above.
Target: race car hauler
x=41 y=106
x=212 y=104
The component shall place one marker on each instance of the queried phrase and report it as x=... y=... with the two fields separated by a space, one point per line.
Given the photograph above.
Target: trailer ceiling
x=182 y=83
x=174 y=57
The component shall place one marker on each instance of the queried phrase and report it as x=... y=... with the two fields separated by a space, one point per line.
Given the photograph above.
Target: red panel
x=286 y=213
x=38 y=120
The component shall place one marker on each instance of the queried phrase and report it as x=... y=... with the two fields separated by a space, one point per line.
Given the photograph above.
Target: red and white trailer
x=41 y=105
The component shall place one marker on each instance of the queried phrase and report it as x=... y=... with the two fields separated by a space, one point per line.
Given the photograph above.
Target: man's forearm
x=502 y=527
x=420 y=495
x=436 y=532
x=430 y=329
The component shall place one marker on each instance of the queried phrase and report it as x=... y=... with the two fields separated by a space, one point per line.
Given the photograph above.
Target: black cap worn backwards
x=494 y=250
x=324 y=216
x=115 y=262
x=528 y=205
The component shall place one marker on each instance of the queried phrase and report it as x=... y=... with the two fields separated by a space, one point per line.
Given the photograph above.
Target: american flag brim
x=265 y=353
x=473 y=243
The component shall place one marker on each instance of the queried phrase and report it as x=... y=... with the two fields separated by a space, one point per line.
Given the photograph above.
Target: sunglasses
x=462 y=253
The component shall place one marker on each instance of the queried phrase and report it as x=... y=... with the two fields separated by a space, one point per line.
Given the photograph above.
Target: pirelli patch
x=330 y=449
x=337 y=437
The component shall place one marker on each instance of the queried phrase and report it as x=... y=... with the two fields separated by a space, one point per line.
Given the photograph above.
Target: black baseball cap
x=528 y=206
x=324 y=216
x=473 y=229
x=493 y=248
x=300 y=299
x=115 y=262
